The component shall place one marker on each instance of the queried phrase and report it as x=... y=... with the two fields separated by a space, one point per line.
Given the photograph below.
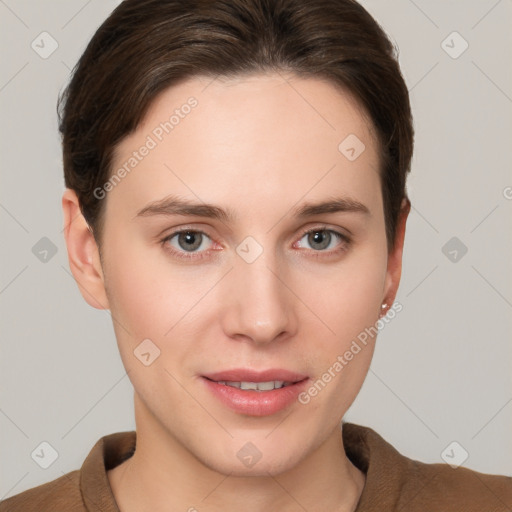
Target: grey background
x=442 y=370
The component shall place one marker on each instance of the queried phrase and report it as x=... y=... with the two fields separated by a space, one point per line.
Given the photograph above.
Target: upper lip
x=248 y=375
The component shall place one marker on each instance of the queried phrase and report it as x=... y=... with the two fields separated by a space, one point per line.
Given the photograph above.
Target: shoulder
x=80 y=490
x=444 y=486
x=397 y=482
x=59 y=495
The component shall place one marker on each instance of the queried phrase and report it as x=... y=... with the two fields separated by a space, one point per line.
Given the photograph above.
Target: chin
x=243 y=458
x=263 y=468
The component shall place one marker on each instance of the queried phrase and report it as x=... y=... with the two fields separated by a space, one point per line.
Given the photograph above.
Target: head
x=277 y=136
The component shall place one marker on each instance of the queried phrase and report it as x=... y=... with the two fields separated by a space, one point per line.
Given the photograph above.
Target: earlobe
x=394 y=270
x=83 y=254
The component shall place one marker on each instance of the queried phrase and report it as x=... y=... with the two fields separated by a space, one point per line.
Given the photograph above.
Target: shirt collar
x=383 y=465
x=386 y=469
x=106 y=454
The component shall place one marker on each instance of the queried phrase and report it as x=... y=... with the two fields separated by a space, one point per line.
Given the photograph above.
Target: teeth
x=256 y=386
x=249 y=385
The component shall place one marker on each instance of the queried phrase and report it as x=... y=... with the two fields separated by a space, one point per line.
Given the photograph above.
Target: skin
x=259 y=146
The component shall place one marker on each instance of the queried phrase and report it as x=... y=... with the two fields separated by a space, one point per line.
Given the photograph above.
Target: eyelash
x=346 y=241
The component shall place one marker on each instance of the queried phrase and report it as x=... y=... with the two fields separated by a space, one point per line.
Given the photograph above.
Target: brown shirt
x=393 y=481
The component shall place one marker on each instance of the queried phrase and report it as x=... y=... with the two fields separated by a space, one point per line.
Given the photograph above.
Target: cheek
x=143 y=295
x=347 y=295
x=347 y=301
x=153 y=297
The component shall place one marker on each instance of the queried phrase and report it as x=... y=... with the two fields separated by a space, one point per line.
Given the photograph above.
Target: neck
x=163 y=475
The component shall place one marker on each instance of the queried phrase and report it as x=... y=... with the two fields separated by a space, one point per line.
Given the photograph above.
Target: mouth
x=255 y=386
x=256 y=393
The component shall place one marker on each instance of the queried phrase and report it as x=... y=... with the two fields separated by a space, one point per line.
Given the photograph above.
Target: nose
x=258 y=304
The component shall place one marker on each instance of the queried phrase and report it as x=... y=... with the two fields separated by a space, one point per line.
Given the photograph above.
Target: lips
x=256 y=393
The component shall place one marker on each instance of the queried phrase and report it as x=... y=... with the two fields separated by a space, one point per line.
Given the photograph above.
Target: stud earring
x=383 y=308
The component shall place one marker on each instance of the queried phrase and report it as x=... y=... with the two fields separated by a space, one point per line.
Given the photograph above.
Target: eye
x=187 y=241
x=325 y=240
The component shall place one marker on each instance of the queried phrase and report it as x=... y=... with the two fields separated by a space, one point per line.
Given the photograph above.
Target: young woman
x=236 y=197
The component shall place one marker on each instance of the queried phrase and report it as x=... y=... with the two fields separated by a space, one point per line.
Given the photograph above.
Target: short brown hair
x=146 y=46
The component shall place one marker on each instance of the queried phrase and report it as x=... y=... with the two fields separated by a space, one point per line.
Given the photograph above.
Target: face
x=252 y=284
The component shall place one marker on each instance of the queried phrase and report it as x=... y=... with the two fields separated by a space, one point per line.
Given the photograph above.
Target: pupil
x=320 y=237
x=190 y=240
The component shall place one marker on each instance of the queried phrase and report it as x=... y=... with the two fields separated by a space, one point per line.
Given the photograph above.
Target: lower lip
x=256 y=403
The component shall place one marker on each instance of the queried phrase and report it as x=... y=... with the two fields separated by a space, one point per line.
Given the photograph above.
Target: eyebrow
x=173 y=205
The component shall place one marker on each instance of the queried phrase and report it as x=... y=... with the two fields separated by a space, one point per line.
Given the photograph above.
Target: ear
x=394 y=269
x=83 y=254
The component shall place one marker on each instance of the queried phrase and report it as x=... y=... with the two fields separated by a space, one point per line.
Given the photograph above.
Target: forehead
x=248 y=139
